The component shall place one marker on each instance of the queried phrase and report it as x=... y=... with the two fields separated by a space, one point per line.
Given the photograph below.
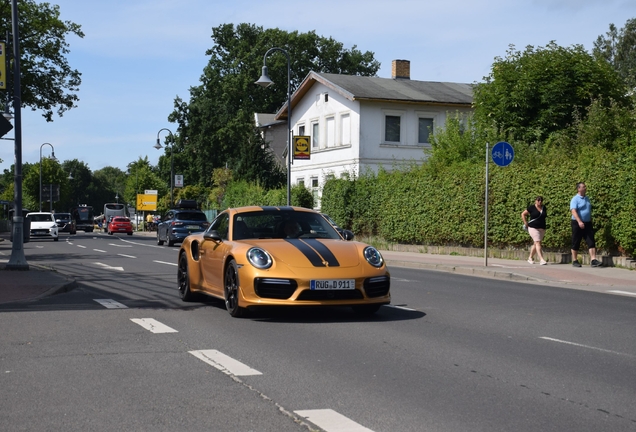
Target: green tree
x=531 y=94
x=47 y=80
x=141 y=176
x=219 y=119
x=618 y=48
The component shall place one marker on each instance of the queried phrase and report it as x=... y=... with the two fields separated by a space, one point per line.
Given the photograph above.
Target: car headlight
x=259 y=258
x=373 y=257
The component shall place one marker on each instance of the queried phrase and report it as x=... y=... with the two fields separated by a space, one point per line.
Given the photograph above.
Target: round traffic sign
x=502 y=153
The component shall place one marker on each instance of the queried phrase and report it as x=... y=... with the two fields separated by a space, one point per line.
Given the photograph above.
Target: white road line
x=331 y=421
x=99 y=250
x=127 y=256
x=111 y=304
x=119 y=245
x=107 y=267
x=153 y=325
x=163 y=262
x=400 y=279
x=80 y=246
x=622 y=292
x=224 y=363
x=583 y=346
x=402 y=307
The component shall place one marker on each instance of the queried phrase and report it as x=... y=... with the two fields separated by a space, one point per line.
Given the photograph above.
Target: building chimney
x=401 y=69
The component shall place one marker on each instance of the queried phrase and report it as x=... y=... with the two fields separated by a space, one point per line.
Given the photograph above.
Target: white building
x=358 y=123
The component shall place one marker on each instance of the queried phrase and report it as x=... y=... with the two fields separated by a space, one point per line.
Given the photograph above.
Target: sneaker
x=530 y=260
x=543 y=262
x=576 y=263
x=595 y=263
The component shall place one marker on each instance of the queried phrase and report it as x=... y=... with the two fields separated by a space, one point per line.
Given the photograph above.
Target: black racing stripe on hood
x=311 y=254
x=324 y=251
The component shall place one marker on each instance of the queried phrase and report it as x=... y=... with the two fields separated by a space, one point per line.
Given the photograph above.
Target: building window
x=425 y=130
x=392 y=128
x=301 y=130
x=300 y=182
x=314 y=189
x=345 y=129
x=331 y=132
x=315 y=135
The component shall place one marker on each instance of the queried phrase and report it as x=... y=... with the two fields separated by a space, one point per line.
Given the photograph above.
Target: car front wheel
x=232 y=290
x=183 y=278
x=159 y=241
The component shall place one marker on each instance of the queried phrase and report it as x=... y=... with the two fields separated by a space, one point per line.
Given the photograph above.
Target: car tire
x=183 y=279
x=366 y=310
x=129 y=233
x=170 y=242
x=159 y=241
x=231 y=290
x=56 y=238
x=110 y=233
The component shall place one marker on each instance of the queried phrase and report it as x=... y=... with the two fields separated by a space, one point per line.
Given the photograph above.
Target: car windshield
x=282 y=224
x=120 y=219
x=191 y=216
x=63 y=216
x=41 y=217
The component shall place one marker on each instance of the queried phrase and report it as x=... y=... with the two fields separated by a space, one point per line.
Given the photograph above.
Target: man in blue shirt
x=581 y=209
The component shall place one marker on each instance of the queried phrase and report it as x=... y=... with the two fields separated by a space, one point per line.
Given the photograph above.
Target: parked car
x=281 y=256
x=180 y=222
x=119 y=224
x=65 y=223
x=43 y=225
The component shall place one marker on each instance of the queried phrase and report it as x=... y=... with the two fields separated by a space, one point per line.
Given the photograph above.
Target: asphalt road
x=452 y=353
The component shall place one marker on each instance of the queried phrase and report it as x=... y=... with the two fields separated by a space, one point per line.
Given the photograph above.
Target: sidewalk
x=38 y=281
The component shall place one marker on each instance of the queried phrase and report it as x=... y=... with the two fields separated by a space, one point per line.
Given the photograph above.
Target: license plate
x=193 y=227
x=333 y=284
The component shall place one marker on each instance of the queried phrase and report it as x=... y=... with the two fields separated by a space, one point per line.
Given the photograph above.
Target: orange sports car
x=281 y=256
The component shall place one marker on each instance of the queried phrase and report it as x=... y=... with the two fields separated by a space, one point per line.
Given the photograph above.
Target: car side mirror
x=346 y=234
x=213 y=235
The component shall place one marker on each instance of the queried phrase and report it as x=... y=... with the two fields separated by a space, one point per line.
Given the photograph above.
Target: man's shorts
x=578 y=234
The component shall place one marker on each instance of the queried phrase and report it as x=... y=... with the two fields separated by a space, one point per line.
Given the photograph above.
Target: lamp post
x=158 y=146
x=265 y=81
x=52 y=157
x=17 y=261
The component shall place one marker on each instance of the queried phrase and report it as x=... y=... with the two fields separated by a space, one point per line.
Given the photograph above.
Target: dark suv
x=180 y=222
x=65 y=223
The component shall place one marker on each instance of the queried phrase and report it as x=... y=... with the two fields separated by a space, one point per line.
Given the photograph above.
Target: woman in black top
x=536 y=227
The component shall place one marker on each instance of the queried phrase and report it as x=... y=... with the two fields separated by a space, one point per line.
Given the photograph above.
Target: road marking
x=127 y=256
x=163 y=262
x=622 y=292
x=400 y=279
x=107 y=267
x=80 y=246
x=330 y=420
x=402 y=307
x=583 y=346
x=224 y=363
x=111 y=304
x=118 y=245
x=153 y=325
x=99 y=250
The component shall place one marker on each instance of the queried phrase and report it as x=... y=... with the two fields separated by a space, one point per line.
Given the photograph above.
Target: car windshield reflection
x=281 y=225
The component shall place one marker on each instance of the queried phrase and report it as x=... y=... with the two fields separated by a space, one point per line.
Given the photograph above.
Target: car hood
x=43 y=224
x=310 y=253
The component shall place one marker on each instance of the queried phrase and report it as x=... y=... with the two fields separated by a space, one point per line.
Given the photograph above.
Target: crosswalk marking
x=331 y=421
x=224 y=363
x=111 y=304
x=153 y=325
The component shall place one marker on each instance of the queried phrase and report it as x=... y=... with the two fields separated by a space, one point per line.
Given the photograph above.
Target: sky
x=138 y=55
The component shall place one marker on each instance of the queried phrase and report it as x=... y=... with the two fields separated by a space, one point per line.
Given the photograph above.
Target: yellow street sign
x=146 y=202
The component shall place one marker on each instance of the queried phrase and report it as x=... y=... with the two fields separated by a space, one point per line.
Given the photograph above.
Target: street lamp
x=158 y=146
x=53 y=158
x=265 y=81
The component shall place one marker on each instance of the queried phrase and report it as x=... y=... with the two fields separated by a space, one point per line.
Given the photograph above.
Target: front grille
x=274 y=288
x=377 y=286
x=330 y=295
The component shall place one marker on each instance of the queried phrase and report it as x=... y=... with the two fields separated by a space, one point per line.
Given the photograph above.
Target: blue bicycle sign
x=502 y=153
